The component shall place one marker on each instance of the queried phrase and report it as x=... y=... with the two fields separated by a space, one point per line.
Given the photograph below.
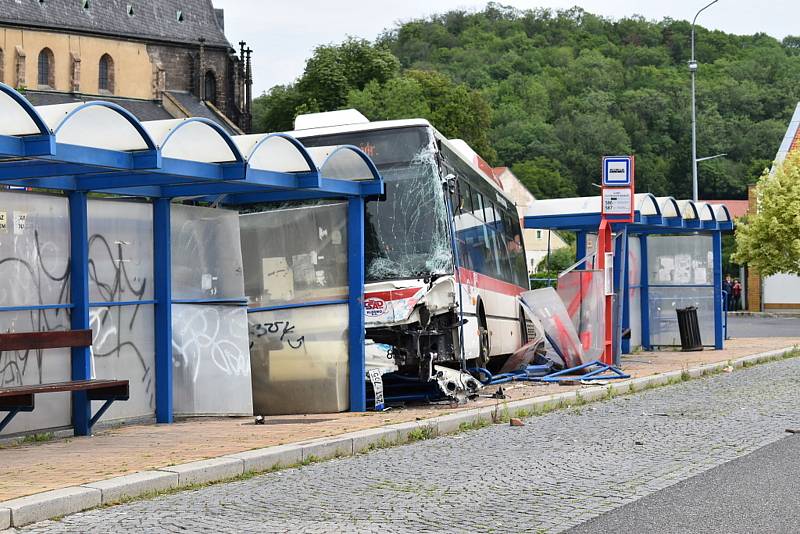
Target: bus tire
x=483 y=336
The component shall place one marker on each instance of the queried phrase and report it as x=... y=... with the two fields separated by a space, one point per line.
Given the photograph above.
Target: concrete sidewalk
x=129 y=461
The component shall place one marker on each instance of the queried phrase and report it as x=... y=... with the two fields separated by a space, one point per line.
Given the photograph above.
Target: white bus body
x=445 y=262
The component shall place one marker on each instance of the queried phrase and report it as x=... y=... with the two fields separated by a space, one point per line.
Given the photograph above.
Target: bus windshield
x=406 y=235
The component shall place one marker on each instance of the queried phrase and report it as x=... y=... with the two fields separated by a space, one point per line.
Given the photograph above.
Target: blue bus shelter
x=99 y=147
x=670 y=256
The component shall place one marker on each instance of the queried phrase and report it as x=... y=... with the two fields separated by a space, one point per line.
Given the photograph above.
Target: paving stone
x=558 y=470
x=270 y=457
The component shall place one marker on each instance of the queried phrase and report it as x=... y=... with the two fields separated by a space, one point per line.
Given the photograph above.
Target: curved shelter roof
x=99 y=146
x=651 y=213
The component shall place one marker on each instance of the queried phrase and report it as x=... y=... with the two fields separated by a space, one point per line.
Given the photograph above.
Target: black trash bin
x=689 y=329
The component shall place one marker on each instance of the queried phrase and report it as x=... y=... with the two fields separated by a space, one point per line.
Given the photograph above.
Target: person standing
x=737 y=294
x=727 y=286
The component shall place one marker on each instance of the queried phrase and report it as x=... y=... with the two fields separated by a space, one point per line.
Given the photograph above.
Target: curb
x=41 y=506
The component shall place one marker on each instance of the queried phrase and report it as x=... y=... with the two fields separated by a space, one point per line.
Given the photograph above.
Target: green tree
x=542 y=176
x=454 y=109
x=769 y=240
x=560 y=260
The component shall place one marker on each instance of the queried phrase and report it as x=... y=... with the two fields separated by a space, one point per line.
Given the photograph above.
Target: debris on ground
x=514 y=421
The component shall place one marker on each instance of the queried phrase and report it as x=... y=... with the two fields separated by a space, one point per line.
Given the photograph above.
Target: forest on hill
x=547 y=93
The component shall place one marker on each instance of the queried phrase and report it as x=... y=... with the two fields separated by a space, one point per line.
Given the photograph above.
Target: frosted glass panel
x=124 y=349
x=664 y=319
x=120 y=251
x=295 y=255
x=211 y=358
x=34 y=249
x=206 y=253
x=299 y=360
x=680 y=259
x=634 y=293
x=582 y=292
x=27 y=367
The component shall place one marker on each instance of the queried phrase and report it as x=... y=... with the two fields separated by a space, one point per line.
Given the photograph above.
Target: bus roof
x=351 y=120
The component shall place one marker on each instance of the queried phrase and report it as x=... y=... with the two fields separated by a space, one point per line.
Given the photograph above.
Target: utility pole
x=693 y=71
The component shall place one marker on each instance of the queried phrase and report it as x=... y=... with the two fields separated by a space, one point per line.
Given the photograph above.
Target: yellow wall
x=133 y=70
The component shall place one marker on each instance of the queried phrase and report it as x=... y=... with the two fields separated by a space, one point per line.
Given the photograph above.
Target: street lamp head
x=693 y=66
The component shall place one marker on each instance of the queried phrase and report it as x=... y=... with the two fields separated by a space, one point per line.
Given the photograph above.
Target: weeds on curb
x=475 y=424
x=421 y=433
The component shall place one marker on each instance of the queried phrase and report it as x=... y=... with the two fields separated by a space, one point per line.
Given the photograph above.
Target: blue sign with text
x=617 y=171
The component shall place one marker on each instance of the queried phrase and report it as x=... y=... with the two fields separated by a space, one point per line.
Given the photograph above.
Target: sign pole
x=616 y=207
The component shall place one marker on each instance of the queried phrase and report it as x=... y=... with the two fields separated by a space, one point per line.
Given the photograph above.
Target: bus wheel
x=483 y=334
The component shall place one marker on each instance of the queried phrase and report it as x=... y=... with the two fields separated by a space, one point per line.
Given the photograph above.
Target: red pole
x=604 y=244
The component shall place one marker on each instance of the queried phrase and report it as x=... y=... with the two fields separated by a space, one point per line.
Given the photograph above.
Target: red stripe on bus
x=488 y=283
x=395 y=294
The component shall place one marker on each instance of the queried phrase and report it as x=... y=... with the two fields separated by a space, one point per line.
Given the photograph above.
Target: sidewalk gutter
x=47 y=505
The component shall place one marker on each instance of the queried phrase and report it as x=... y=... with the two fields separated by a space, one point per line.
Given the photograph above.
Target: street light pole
x=693 y=70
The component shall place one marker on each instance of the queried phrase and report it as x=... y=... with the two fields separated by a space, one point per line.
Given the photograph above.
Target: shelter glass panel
x=682 y=260
x=295 y=255
x=634 y=290
x=29 y=367
x=34 y=249
x=206 y=254
x=664 y=301
x=123 y=346
x=300 y=360
x=120 y=251
x=582 y=292
x=211 y=357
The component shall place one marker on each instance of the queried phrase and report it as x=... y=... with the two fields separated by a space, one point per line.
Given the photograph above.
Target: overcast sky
x=283 y=33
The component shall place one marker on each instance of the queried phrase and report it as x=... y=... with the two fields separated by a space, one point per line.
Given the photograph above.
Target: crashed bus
x=444 y=255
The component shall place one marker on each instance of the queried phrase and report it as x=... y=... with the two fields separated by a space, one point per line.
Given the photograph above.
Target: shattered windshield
x=406 y=235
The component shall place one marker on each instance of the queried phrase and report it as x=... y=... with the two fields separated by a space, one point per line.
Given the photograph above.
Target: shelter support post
x=81 y=363
x=162 y=268
x=717 y=246
x=623 y=317
x=644 y=293
x=580 y=248
x=356 y=328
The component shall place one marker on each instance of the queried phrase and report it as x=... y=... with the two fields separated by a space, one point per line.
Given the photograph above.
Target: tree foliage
x=769 y=240
x=567 y=87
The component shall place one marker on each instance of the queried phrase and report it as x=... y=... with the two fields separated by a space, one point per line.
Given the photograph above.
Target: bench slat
x=45 y=340
x=115 y=387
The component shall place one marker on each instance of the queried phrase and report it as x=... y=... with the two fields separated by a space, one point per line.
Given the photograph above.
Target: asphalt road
x=755 y=493
x=556 y=472
x=744 y=326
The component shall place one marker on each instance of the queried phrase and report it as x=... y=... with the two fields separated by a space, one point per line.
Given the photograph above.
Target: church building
x=159 y=59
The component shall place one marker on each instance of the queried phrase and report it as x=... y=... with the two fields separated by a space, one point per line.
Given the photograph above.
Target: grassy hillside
x=548 y=93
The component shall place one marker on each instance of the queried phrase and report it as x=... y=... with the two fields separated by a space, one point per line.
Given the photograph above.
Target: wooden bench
x=15 y=399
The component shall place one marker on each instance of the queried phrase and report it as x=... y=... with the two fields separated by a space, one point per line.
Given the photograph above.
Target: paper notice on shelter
x=3 y=222
x=20 y=218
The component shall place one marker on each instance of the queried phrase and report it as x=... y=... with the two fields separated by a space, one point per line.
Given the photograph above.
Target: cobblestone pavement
x=556 y=472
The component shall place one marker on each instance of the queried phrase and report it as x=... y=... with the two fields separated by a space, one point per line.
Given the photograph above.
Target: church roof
x=182 y=21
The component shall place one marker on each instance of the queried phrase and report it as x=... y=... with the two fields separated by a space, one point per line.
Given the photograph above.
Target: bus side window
x=516 y=251
x=477 y=205
x=466 y=196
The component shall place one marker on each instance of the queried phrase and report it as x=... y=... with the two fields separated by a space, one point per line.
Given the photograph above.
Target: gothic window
x=211 y=87
x=105 y=80
x=46 y=76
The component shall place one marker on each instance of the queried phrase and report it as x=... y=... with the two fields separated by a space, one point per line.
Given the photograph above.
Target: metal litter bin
x=689 y=329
